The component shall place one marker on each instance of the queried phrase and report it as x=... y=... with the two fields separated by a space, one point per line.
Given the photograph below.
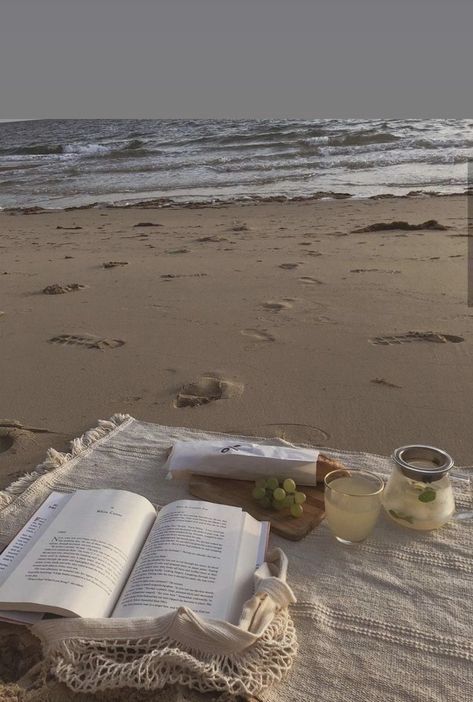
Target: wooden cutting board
x=238 y=494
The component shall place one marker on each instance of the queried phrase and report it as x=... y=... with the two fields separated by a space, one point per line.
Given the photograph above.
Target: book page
x=30 y=533
x=250 y=555
x=80 y=563
x=188 y=560
x=22 y=544
x=15 y=617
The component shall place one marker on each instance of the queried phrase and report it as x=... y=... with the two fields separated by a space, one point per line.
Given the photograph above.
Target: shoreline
x=270 y=319
x=169 y=203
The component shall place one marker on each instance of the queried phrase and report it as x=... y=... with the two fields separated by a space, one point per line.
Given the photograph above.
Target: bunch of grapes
x=270 y=493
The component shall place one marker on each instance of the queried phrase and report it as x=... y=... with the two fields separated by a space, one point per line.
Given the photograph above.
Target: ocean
x=64 y=163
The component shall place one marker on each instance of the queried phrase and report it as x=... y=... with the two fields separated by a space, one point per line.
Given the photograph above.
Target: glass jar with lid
x=418 y=494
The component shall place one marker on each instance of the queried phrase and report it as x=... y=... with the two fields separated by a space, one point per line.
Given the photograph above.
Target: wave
x=301 y=167
x=9 y=183
x=362 y=138
x=86 y=149
x=280 y=146
x=277 y=136
x=15 y=166
x=236 y=139
x=136 y=135
x=92 y=158
x=290 y=142
x=33 y=150
x=92 y=149
x=134 y=144
x=140 y=168
x=443 y=143
x=404 y=159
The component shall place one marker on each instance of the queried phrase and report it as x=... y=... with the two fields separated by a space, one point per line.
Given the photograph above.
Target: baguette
x=326 y=465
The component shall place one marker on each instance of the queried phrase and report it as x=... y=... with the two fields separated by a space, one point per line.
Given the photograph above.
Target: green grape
x=279 y=494
x=272 y=483
x=265 y=502
x=258 y=493
x=296 y=510
x=289 y=485
x=260 y=483
x=300 y=498
x=287 y=502
x=277 y=504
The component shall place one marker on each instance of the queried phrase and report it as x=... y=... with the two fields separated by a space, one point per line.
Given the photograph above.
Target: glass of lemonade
x=352 y=503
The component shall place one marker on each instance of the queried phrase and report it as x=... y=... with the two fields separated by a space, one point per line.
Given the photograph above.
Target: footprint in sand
x=288 y=266
x=291 y=431
x=178 y=251
x=57 y=289
x=208 y=388
x=258 y=334
x=385 y=383
x=363 y=270
x=7 y=439
x=87 y=340
x=238 y=226
x=411 y=336
x=216 y=239
x=323 y=319
x=114 y=264
x=172 y=276
x=15 y=434
x=277 y=305
x=308 y=280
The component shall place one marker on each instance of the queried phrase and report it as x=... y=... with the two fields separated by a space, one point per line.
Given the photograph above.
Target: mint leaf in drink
x=402 y=517
x=428 y=495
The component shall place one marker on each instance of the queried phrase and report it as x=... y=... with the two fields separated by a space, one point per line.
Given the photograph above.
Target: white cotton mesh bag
x=92 y=655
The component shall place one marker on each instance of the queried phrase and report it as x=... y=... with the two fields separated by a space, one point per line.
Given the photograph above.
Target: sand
x=267 y=319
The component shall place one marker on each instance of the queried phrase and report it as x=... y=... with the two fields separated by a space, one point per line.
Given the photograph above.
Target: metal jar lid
x=423 y=463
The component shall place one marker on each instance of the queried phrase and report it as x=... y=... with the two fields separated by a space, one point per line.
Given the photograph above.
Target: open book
x=108 y=553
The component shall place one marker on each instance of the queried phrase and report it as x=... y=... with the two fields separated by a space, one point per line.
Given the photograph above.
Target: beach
x=267 y=319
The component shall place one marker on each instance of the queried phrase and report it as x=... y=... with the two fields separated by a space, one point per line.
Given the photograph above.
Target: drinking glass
x=352 y=503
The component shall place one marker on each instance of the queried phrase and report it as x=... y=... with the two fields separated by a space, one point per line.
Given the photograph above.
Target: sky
x=235 y=58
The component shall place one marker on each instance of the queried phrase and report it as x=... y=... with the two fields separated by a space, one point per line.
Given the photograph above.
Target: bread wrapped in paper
x=241 y=460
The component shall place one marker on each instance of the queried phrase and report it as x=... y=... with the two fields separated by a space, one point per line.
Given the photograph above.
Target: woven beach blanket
x=390 y=619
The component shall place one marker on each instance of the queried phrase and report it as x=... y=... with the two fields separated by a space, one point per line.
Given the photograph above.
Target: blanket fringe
x=55 y=459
